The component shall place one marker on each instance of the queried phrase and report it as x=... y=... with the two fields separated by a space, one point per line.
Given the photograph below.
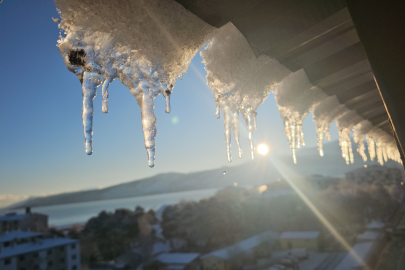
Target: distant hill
x=261 y=171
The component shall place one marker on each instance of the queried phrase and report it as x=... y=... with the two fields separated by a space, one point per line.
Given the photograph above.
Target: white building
x=32 y=251
x=25 y=222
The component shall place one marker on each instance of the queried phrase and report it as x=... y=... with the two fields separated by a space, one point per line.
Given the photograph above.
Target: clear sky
x=41 y=132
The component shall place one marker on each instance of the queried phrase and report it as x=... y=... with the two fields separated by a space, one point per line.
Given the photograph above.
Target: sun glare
x=262 y=149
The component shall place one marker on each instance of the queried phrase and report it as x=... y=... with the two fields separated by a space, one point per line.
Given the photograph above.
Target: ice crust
x=239 y=81
x=296 y=97
x=146 y=44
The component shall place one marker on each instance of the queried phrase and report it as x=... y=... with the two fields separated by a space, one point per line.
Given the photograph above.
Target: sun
x=262 y=149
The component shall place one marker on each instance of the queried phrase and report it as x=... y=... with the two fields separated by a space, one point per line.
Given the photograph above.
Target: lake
x=67 y=214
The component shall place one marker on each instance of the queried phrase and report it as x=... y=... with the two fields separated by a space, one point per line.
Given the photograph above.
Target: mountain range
x=260 y=171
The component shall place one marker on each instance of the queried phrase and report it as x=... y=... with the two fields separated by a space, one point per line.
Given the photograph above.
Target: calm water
x=67 y=214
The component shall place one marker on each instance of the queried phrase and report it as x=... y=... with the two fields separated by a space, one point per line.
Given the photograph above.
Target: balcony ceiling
x=316 y=35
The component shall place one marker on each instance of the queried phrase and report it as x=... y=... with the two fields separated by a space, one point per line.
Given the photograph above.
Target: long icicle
x=145 y=101
x=235 y=127
x=91 y=80
x=226 y=110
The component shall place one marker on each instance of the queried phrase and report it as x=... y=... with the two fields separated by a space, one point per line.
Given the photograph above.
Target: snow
x=10 y=217
x=31 y=247
x=154 y=44
x=369 y=235
x=362 y=251
x=177 y=258
x=299 y=235
x=11 y=235
x=296 y=97
x=239 y=81
x=375 y=225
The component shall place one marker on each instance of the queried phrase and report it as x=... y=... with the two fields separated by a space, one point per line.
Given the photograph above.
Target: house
x=180 y=261
x=300 y=239
x=25 y=250
x=252 y=248
x=375 y=225
x=24 y=222
x=368 y=236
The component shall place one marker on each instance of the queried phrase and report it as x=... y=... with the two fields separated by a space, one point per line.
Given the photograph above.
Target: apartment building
x=33 y=251
x=25 y=222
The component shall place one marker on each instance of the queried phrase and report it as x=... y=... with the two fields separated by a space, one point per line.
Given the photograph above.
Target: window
x=50 y=263
x=6 y=244
x=36 y=267
x=36 y=255
x=62 y=260
x=22 y=268
x=62 y=248
x=7 y=261
x=74 y=267
x=73 y=246
x=49 y=252
x=22 y=258
x=74 y=257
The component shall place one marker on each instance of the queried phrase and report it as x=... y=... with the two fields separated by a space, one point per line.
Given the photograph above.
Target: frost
x=296 y=97
x=147 y=45
x=239 y=81
x=324 y=115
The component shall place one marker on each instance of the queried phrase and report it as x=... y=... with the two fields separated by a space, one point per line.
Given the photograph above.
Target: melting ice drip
x=154 y=45
x=296 y=97
x=359 y=136
x=240 y=82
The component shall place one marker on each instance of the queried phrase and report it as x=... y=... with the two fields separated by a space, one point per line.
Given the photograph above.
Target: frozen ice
x=239 y=81
x=147 y=45
x=324 y=114
x=296 y=97
x=345 y=124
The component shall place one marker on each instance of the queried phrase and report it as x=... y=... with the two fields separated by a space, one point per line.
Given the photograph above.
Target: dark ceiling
x=316 y=35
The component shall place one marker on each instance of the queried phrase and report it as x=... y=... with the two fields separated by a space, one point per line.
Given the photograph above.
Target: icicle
x=145 y=101
x=235 y=127
x=371 y=147
x=247 y=115
x=91 y=80
x=254 y=114
x=226 y=110
x=319 y=139
x=217 y=111
x=167 y=94
x=346 y=145
x=104 y=94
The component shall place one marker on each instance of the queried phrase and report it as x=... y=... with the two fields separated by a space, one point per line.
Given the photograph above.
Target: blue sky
x=42 y=143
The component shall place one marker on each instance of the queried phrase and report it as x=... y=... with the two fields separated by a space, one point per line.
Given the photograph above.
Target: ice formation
x=239 y=81
x=324 y=114
x=383 y=146
x=345 y=124
x=296 y=97
x=147 y=45
x=359 y=135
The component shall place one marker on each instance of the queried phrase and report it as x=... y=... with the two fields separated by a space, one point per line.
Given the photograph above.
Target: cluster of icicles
x=240 y=82
x=147 y=45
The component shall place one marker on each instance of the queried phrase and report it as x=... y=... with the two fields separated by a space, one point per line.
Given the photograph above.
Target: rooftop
x=244 y=245
x=375 y=225
x=369 y=235
x=299 y=235
x=9 y=236
x=362 y=251
x=177 y=258
x=12 y=217
x=32 y=247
